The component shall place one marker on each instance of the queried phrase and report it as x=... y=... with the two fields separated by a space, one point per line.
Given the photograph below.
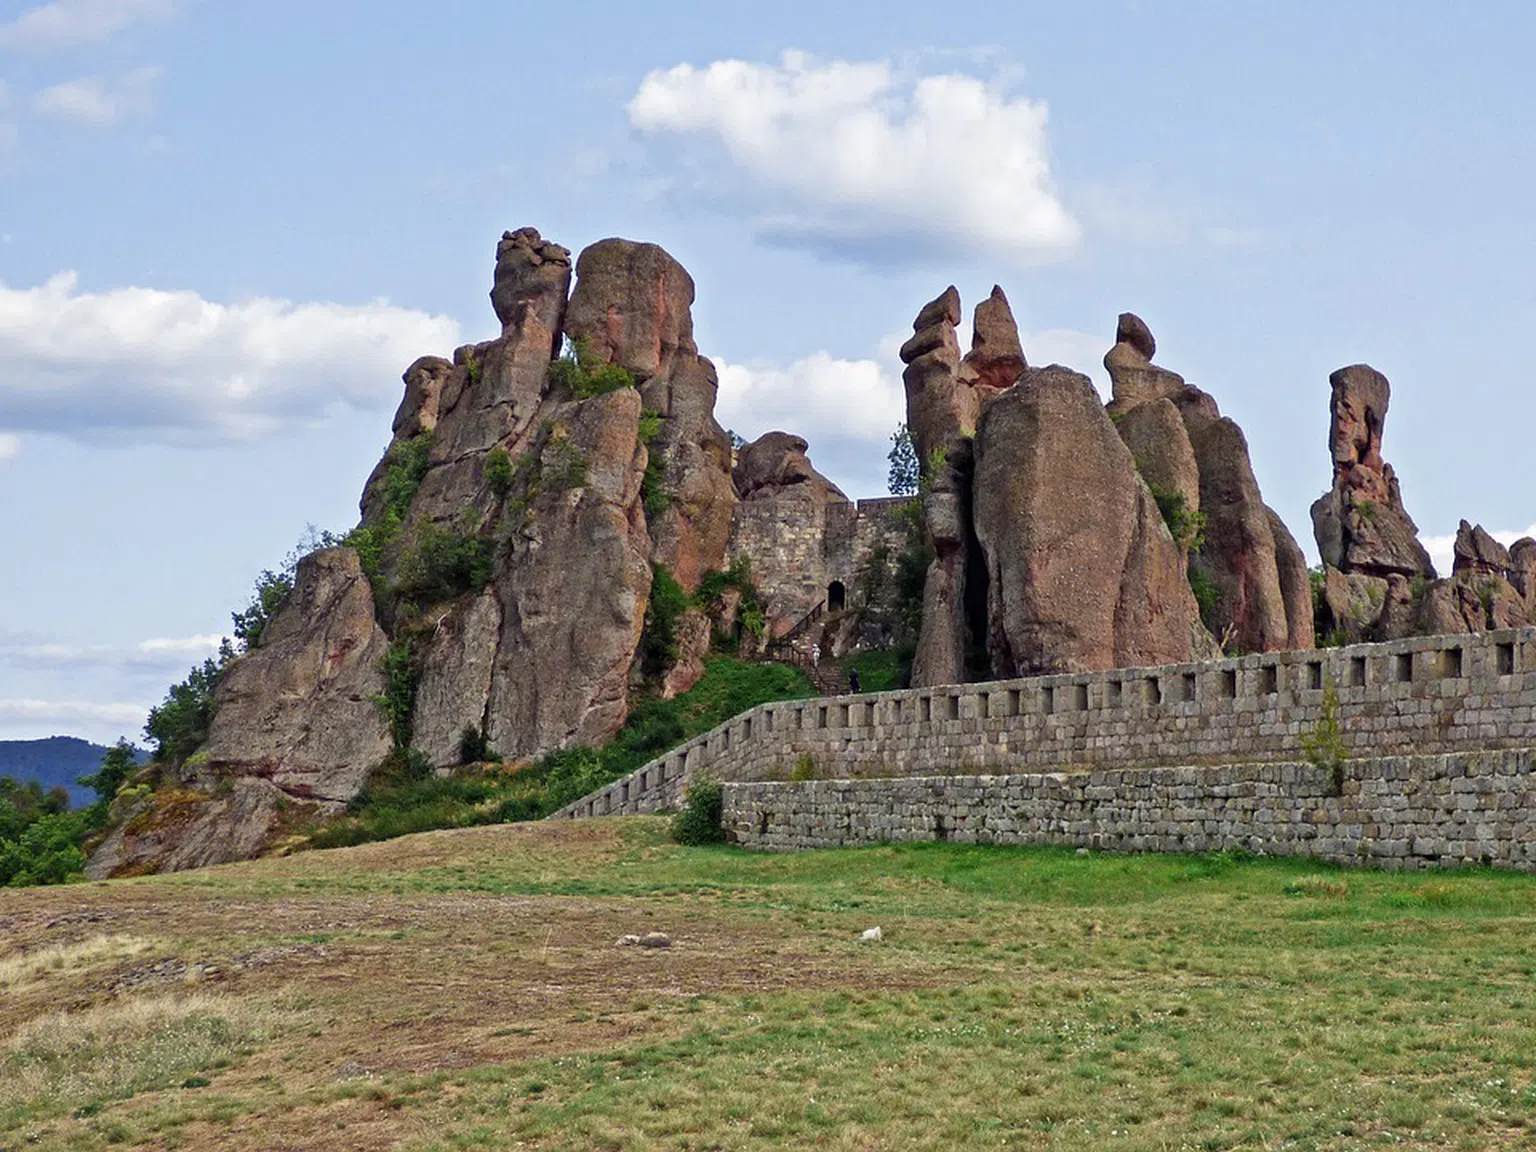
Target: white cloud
x=168 y=655
x=861 y=159
x=69 y=23
x=1442 y=549
x=858 y=399
x=173 y=366
x=100 y=101
x=9 y=446
x=71 y=712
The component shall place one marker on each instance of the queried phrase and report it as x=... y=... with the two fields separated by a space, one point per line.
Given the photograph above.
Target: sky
x=227 y=227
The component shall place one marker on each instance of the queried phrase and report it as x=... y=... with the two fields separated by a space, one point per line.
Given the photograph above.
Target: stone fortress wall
x=802 y=552
x=1129 y=758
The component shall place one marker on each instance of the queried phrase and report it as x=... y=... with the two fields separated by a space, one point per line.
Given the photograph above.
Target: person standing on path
x=853 y=682
x=816 y=654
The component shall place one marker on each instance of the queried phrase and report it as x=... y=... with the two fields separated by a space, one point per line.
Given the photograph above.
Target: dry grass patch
x=53 y=960
x=76 y=1062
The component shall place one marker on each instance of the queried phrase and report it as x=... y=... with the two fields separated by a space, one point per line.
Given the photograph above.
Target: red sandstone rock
x=1360 y=523
x=1082 y=572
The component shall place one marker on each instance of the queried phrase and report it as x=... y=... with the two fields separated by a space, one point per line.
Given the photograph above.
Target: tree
x=905 y=468
x=178 y=726
x=120 y=762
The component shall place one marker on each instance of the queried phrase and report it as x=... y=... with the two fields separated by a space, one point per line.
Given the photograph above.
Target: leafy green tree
x=46 y=852
x=905 y=467
x=178 y=725
x=120 y=762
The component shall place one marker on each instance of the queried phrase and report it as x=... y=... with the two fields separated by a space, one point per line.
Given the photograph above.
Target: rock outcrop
x=296 y=732
x=1360 y=523
x=1197 y=464
x=633 y=307
x=950 y=626
x=940 y=409
x=1081 y=569
x=574 y=586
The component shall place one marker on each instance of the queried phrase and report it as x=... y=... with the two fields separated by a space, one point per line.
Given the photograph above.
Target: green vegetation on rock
x=407 y=797
x=580 y=373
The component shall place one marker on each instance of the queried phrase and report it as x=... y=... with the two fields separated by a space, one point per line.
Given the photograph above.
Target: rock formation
x=945 y=399
x=952 y=627
x=504 y=558
x=633 y=307
x=1081 y=569
x=1360 y=523
x=1197 y=464
x=297 y=730
x=1378 y=582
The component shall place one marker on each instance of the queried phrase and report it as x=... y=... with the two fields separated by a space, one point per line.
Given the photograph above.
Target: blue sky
x=227 y=227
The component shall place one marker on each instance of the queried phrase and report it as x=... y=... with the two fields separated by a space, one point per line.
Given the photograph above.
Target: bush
x=750 y=616
x=1324 y=745
x=653 y=485
x=474 y=747
x=442 y=563
x=499 y=473
x=658 y=642
x=698 y=822
x=582 y=374
x=1207 y=595
x=46 y=852
x=399 y=700
x=804 y=769
x=1186 y=526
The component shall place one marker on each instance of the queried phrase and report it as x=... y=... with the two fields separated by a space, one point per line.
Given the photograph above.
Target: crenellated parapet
x=1425 y=695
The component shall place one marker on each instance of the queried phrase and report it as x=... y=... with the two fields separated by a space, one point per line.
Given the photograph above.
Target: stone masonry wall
x=797 y=548
x=1427 y=695
x=1395 y=812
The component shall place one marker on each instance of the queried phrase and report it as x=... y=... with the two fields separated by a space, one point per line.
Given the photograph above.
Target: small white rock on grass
x=873 y=935
x=649 y=940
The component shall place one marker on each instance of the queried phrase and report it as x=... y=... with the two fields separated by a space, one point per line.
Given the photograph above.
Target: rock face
x=1197 y=461
x=297 y=731
x=570 y=627
x=949 y=627
x=633 y=307
x=1082 y=572
x=323 y=648
x=1360 y=523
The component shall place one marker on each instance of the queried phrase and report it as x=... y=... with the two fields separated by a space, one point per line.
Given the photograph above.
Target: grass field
x=465 y=990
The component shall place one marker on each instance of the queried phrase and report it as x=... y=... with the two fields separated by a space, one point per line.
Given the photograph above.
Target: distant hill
x=56 y=760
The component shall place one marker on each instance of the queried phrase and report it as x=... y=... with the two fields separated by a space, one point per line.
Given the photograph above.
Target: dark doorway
x=836 y=596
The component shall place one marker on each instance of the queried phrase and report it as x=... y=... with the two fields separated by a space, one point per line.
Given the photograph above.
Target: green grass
x=880 y=670
x=418 y=801
x=1021 y=998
